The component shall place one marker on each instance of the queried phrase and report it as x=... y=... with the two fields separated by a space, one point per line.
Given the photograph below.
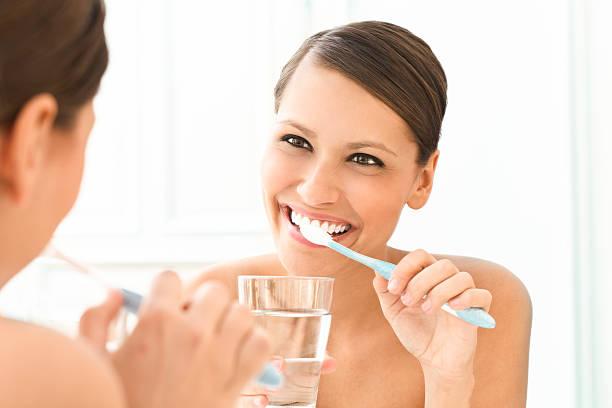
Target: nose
x=319 y=187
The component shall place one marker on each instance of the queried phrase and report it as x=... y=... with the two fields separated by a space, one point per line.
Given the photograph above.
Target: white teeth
x=299 y=219
x=296 y=218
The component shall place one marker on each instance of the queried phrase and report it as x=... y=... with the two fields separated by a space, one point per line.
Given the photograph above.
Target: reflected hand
x=202 y=356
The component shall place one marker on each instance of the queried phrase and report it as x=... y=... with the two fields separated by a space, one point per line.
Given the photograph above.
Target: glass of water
x=295 y=311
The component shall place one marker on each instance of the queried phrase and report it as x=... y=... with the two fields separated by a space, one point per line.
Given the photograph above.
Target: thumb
x=380 y=285
x=329 y=364
x=388 y=301
x=253 y=401
x=94 y=323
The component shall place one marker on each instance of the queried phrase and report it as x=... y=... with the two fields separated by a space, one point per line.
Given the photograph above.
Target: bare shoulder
x=228 y=272
x=500 y=281
x=510 y=296
x=511 y=303
x=40 y=367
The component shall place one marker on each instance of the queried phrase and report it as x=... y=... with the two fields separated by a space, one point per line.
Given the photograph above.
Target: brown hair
x=392 y=64
x=50 y=46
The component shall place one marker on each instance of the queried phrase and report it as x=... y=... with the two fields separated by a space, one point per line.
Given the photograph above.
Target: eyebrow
x=300 y=127
x=359 y=145
x=354 y=145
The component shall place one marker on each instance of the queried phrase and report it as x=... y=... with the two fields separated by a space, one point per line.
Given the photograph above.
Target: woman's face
x=340 y=156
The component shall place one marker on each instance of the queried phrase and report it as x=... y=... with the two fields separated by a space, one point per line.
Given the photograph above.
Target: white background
x=172 y=173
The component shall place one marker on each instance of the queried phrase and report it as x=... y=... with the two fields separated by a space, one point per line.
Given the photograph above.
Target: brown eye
x=297 y=141
x=366 y=160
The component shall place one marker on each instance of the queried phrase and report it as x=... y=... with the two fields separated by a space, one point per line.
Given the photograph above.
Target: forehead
x=327 y=102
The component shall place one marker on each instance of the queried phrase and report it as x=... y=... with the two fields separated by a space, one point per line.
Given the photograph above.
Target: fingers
x=380 y=284
x=390 y=303
x=447 y=289
x=235 y=329
x=255 y=352
x=209 y=307
x=95 y=322
x=422 y=283
x=329 y=365
x=166 y=292
x=255 y=392
x=418 y=275
x=472 y=298
x=408 y=267
x=442 y=282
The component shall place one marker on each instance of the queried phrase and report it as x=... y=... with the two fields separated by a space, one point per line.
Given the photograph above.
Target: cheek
x=79 y=167
x=72 y=175
x=379 y=203
x=277 y=173
x=61 y=186
x=77 y=154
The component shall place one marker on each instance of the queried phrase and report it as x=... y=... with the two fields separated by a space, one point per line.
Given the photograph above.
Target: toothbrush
x=269 y=377
x=473 y=315
x=131 y=300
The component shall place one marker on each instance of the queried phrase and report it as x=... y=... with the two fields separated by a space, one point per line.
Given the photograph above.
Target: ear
x=22 y=150
x=424 y=183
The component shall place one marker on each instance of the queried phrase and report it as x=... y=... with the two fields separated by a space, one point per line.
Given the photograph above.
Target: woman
x=52 y=56
x=358 y=115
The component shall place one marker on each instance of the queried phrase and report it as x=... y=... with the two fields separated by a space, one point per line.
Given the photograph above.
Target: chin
x=302 y=263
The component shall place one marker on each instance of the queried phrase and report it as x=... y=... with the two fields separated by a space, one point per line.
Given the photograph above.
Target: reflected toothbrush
x=473 y=315
x=131 y=300
x=270 y=377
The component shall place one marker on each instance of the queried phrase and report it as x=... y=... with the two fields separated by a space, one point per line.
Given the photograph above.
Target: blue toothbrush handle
x=131 y=300
x=476 y=316
x=269 y=377
x=384 y=269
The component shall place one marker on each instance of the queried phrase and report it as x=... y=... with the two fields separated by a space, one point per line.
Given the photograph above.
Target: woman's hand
x=411 y=302
x=199 y=357
x=253 y=397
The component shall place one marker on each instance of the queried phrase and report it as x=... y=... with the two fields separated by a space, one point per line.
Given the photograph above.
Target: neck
x=8 y=268
x=17 y=246
x=355 y=304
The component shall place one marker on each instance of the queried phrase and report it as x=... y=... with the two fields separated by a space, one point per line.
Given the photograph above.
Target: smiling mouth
x=333 y=228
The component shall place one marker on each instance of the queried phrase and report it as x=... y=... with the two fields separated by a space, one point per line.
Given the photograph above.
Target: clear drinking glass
x=295 y=311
